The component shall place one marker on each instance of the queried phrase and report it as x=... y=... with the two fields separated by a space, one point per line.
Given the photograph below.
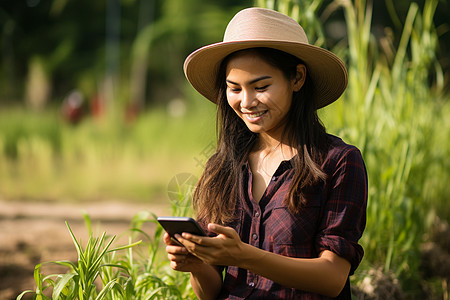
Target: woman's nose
x=248 y=99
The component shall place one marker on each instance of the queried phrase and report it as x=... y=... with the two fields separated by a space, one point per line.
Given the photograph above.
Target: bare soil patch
x=31 y=233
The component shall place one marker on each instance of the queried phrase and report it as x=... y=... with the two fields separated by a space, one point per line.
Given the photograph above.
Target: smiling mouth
x=256 y=115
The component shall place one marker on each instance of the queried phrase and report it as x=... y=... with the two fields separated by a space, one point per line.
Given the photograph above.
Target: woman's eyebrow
x=252 y=81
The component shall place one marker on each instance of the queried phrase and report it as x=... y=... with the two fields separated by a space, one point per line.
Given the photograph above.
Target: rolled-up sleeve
x=344 y=210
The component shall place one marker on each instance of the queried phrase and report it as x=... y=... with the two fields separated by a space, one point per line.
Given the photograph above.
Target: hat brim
x=326 y=70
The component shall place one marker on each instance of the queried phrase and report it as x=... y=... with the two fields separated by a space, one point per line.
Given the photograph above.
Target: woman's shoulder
x=338 y=142
x=339 y=150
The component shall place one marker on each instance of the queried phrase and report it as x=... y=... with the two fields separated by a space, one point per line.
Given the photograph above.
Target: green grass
x=390 y=111
x=43 y=158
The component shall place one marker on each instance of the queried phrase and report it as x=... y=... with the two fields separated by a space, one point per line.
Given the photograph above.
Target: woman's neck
x=269 y=145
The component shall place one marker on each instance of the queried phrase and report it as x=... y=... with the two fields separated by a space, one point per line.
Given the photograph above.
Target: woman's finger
x=177 y=258
x=222 y=231
x=174 y=249
x=188 y=237
x=185 y=263
x=219 y=229
x=167 y=240
x=195 y=244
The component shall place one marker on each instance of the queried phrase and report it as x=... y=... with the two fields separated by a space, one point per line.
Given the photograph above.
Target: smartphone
x=174 y=225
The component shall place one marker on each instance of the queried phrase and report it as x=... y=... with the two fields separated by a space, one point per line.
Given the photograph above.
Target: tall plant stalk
x=394 y=129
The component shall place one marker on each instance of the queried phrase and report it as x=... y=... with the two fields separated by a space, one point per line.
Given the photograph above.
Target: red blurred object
x=132 y=111
x=97 y=106
x=72 y=107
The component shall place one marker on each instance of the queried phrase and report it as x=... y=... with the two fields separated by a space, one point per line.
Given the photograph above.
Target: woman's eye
x=234 y=90
x=262 y=88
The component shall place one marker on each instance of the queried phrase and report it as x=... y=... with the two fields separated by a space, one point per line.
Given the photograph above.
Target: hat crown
x=264 y=24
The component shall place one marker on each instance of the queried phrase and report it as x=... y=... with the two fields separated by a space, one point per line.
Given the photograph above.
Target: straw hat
x=260 y=27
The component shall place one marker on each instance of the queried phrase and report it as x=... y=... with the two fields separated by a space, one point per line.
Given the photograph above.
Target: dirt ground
x=31 y=233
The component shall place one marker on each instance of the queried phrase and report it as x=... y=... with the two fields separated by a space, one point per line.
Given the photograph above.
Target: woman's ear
x=300 y=77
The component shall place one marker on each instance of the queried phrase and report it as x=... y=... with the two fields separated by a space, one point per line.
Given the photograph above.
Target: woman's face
x=260 y=93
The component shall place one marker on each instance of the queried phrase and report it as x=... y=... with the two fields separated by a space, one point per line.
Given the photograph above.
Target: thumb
x=219 y=229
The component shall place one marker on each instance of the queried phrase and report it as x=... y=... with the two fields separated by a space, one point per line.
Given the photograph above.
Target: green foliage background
x=394 y=109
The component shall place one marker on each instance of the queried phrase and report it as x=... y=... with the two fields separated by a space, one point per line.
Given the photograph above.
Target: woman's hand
x=226 y=249
x=206 y=279
x=180 y=258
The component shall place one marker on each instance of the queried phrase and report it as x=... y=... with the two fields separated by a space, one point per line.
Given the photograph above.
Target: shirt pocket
x=293 y=234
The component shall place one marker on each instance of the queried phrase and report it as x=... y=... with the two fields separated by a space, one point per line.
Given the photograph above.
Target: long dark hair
x=217 y=191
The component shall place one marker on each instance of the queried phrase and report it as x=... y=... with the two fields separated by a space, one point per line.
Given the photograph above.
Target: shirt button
x=274 y=178
x=252 y=284
x=257 y=214
x=255 y=236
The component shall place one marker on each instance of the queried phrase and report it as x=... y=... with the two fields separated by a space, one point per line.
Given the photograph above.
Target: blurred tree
x=144 y=42
x=63 y=35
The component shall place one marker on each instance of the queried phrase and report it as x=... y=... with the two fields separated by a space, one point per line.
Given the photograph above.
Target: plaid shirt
x=333 y=219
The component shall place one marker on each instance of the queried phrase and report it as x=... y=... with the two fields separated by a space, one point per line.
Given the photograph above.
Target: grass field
x=44 y=158
x=390 y=111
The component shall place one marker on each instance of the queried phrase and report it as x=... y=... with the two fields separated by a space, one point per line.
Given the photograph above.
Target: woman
x=283 y=201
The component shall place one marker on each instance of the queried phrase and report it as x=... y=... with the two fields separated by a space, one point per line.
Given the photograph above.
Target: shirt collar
x=284 y=166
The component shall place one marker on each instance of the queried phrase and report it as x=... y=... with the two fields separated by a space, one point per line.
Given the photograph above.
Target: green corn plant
x=137 y=272
x=79 y=282
x=140 y=271
x=151 y=275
